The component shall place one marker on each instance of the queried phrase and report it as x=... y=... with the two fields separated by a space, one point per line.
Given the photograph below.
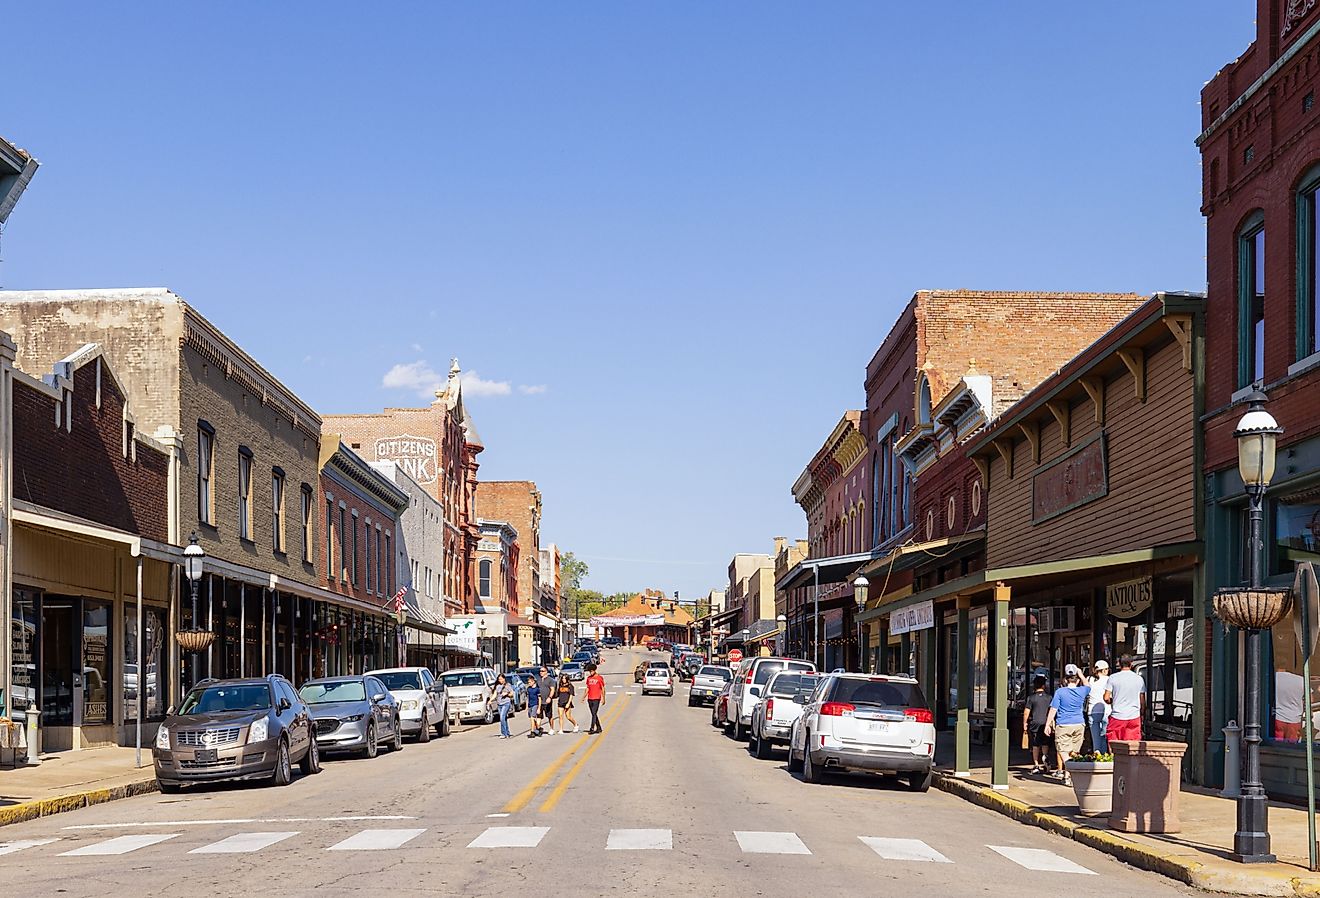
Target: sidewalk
x=72 y=779
x=1200 y=855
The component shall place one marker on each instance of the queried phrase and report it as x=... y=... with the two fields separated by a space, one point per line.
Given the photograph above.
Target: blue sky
x=667 y=237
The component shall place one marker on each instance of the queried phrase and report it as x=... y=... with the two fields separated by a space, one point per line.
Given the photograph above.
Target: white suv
x=860 y=722
x=470 y=690
x=659 y=678
x=749 y=682
x=773 y=716
x=423 y=701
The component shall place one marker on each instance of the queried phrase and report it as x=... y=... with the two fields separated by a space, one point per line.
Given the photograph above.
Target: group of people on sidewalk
x=1102 y=706
x=547 y=695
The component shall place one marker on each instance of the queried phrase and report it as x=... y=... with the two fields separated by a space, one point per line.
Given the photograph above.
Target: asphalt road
x=661 y=804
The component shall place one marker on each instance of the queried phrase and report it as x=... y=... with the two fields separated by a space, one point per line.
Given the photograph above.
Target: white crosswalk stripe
x=904 y=850
x=770 y=843
x=377 y=840
x=20 y=844
x=243 y=843
x=118 y=845
x=1039 y=859
x=640 y=840
x=510 y=837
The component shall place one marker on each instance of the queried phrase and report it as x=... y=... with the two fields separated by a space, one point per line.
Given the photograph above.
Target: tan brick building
x=436 y=446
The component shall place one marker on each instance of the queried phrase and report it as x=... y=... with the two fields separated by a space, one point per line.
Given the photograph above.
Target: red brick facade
x=359 y=512
x=517 y=503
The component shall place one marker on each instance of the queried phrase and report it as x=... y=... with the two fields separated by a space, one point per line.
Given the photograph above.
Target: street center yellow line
x=528 y=792
x=558 y=792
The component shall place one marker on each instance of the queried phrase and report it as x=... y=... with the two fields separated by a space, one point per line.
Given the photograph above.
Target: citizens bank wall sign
x=415 y=455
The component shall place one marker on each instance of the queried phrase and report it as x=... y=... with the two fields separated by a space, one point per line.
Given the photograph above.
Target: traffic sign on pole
x=735 y=656
x=1306 y=608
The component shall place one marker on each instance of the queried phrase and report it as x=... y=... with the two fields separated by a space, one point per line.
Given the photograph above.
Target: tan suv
x=236 y=730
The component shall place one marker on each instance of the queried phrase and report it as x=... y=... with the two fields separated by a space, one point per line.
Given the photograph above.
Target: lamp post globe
x=193 y=639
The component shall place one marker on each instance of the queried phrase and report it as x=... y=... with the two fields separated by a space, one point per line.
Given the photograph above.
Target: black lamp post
x=194 y=639
x=1254 y=609
x=860 y=588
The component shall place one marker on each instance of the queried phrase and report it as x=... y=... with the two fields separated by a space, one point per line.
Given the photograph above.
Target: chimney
x=803 y=546
x=780 y=542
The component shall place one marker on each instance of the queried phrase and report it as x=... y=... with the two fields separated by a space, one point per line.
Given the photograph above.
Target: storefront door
x=59 y=646
x=1159 y=639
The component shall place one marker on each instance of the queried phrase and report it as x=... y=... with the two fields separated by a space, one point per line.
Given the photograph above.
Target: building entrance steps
x=73 y=779
x=1199 y=855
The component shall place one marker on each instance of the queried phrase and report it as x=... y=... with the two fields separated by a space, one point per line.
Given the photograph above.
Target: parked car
x=877 y=724
x=772 y=718
x=519 y=686
x=236 y=730
x=659 y=678
x=575 y=670
x=470 y=690
x=749 y=681
x=354 y=714
x=639 y=672
x=423 y=701
x=611 y=642
x=708 y=682
x=719 y=708
x=582 y=658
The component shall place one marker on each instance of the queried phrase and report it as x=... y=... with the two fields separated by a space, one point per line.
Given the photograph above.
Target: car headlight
x=259 y=730
x=163 y=739
x=410 y=705
x=353 y=718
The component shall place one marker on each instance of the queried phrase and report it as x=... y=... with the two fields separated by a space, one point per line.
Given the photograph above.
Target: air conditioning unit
x=1056 y=619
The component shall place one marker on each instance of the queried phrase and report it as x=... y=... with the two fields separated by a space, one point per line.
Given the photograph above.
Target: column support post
x=999 y=772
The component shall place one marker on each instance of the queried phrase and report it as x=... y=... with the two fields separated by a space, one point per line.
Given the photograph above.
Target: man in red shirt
x=595 y=695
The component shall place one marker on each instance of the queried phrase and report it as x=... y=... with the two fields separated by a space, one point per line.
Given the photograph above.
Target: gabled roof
x=16 y=169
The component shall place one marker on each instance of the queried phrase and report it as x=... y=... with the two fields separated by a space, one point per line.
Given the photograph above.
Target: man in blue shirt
x=533 y=708
x=1067 y=717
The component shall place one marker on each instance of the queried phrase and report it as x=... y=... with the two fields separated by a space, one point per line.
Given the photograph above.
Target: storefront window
x=23 y=671
x=1296 y=532
x=980 y=627
x=1288 y=707
x=145 y=679
x=95 y=663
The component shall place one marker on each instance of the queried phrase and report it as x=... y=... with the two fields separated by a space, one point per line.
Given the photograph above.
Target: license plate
x=878 y=726
x=204 y=756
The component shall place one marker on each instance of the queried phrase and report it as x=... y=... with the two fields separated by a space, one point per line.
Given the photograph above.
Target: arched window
x=1308 y=240
x=1251 y=300
x=923 y=399
x=484 y=587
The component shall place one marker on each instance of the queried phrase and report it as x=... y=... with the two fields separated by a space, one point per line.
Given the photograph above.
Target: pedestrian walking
x=595 y=695
x=503 y=699
x=549 y=687
x=1038 y=711
x=566 y=693
x=1126 y=697
x=1098 y=714
x=533 y=708
x=1067 y=718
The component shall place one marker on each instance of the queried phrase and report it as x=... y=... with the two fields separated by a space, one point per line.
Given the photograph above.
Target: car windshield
x=400 y=679
x=336 y=691
x=210 y=699
x=582 y=656
x=471 y=678
x=572 y=665
x=722 y=672
x=787 y=685
x=664 y=664
x=878 y=692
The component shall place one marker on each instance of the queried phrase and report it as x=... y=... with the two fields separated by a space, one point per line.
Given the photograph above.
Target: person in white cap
x=1099 y=711
x=1067 y=720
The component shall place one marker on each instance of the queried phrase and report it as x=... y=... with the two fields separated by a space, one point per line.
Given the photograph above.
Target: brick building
x=497 y=567
x=438 y=447
x=1260 y=151
x=518 y=503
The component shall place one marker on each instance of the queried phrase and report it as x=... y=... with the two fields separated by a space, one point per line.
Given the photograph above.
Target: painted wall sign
x=920 y=616
x=1077 y=478
x=1129 y=598
x=415 y=455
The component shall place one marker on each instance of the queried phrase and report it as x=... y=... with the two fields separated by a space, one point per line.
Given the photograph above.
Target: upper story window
x=277 y=509
x=343 y=543
x=329 y=537
x=380 y=571
x=1251 y=302
x=370 y=557
x=307 y=507
x=923 y=401
x=389 y=566
x=484 y=587
x=1308 y=244
x=244 y=493
x=205 y=465
x=353 y=559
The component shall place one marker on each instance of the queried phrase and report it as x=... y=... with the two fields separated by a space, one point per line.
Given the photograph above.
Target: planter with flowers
x=1092 y=776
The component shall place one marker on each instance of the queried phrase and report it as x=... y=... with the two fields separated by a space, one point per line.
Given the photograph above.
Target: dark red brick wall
x=367 y=510
x=953 y=475
x=83 y=471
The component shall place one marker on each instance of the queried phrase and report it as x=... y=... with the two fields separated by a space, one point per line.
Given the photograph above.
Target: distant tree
x=572 y=571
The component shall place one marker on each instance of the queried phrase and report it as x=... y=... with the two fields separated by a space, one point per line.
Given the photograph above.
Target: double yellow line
x=528 y=792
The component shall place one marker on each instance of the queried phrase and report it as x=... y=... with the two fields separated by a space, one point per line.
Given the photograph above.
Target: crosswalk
x=888 y=849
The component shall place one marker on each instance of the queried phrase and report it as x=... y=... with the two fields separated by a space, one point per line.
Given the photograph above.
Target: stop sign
x=735 y=655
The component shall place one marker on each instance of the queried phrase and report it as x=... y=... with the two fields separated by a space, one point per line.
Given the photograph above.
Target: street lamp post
x=1254 y=609
x=782 y=621
x=194 y=639
x=481 y=638
x=860 y=587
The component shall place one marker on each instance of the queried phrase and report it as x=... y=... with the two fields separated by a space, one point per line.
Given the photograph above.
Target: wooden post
x=999 y=773
x=963 y=728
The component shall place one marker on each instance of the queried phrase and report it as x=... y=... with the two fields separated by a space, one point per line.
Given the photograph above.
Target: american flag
x=397 y=600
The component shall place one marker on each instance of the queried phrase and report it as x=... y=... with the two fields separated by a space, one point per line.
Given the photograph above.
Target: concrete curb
x=45 y=807
x=1224 y=877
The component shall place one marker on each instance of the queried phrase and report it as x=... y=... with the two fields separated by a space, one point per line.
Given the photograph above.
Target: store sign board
x=1079 y=477
x=1129 y=598
x=912 y=618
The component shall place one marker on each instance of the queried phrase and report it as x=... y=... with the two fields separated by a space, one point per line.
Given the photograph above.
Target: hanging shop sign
x=638 y=620
x=1077 y=478
x=1129 y=598
x=920 y=616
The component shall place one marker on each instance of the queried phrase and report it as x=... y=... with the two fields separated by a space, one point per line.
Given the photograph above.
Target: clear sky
x=666 y=237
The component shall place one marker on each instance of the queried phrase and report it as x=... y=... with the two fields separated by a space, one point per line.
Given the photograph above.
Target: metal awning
x=739 y=637
x=909 y=556
x=835 y=569
x=762 y=630
x=718 y=617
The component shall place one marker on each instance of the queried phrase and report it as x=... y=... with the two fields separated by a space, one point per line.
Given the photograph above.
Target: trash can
x=1147 y=779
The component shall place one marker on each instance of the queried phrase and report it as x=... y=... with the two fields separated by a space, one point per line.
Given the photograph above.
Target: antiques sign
x=1128 y=599
x=415 y=455
x=1079 y=477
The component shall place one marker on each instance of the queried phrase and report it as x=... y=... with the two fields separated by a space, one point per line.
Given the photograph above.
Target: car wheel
x=424 y=734
x=311 y=762
x=489 y=717
x=372 y=748
x=751 y=739
x=691 y=702
x=919 y=781
x=810 y=772
x=713 y=721
x=444 y=725
x=762 y=749
x=739 y=734
x=397 y=743
x=168 y=788
x=794 y=765
x=283 y=774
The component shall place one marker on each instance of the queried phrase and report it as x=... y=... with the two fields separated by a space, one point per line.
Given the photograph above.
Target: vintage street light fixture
x=195 y=639
x=861 y=586
x=1254 y=609
x=481 y=638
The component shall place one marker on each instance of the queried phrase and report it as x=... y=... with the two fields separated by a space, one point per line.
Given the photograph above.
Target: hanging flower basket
x=1252 y=609
x=194 y=640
